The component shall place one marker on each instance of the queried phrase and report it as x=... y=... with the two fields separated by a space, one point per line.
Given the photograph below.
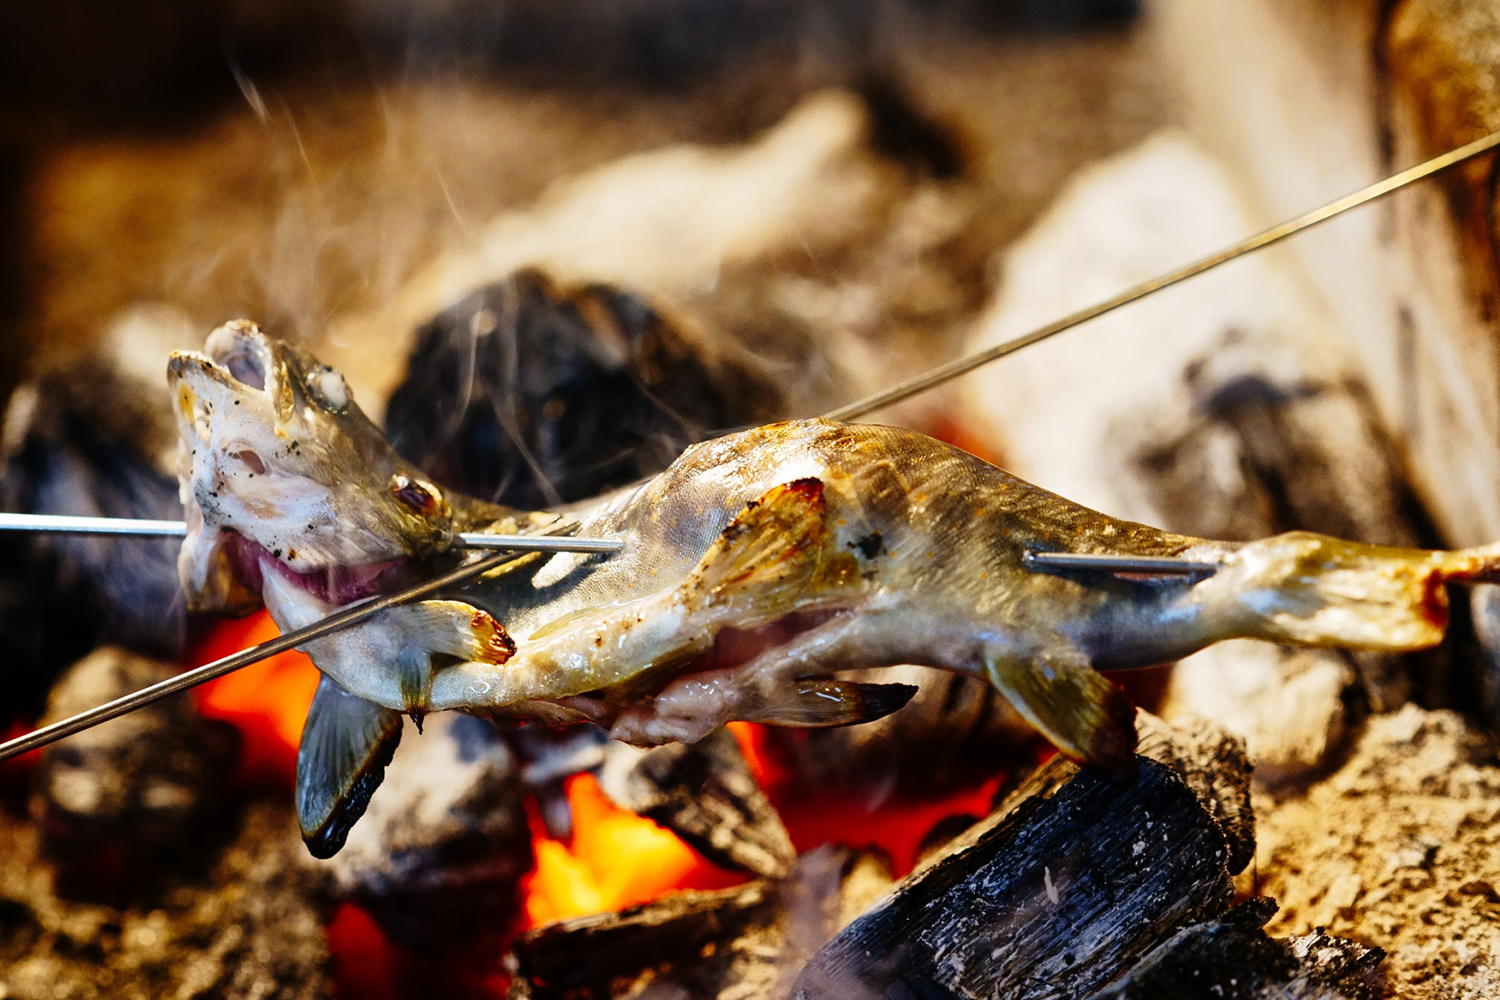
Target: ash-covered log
x=704 y=792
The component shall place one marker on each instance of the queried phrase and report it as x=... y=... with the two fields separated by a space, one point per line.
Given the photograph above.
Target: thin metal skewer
x=67 y=524
x=342 y=618
x=963 y=366
x=1158 y=565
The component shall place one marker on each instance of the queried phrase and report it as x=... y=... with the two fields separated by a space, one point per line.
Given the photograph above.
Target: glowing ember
x=266 y=701
x=821 y=816
x=616 y=859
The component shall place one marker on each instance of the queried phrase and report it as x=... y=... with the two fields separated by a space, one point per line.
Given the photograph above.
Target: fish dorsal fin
x=346 y=745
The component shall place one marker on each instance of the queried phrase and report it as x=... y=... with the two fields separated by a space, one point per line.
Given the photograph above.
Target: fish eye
x=329 y=387
x=415 y=495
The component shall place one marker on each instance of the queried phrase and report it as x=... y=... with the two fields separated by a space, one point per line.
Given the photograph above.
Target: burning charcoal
x=703 y=792
x=549 y=756
x=93 y=440
x=1233 y=957
x=147 y=780
x=741 y=942
x=439 y=855
x=244 y=929
x=1058 y=892
x=533 y=396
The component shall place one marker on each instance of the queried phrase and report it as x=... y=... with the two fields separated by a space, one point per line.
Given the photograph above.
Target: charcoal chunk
x=705 y=793
x=438 y=858
x=1233 y=959
x=84 y=443
x=748 y=941
x=531 y=395
x=148 y=781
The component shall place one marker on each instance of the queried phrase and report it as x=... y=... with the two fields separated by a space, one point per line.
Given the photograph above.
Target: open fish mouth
x=334 y=584
x=278 y=464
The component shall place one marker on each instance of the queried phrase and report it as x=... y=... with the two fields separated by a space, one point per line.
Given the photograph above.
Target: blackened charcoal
x=704 y=792
x=530 y=395
x=148 y=782
x=61 y=595
x=1056 y=894
x=1232 y=958
x=1214 y=765
x=748 y=941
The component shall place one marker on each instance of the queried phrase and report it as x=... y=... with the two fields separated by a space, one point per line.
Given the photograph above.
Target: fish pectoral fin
x=346 y=744
x=1085 y=716
x=816 y=703
x=776 y=543
x=452 y=628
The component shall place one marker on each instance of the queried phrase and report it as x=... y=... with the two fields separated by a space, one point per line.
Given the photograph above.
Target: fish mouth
x=335 y=584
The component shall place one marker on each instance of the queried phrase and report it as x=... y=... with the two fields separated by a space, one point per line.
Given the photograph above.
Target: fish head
x=279 y=469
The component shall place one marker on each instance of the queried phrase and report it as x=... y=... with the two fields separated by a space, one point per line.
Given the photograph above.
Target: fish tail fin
x=1314 y=590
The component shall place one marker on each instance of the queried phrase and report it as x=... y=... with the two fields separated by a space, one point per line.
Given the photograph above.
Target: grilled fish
x=755 y=568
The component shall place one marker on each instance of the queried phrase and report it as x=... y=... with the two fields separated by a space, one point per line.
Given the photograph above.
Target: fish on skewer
x=754 y=569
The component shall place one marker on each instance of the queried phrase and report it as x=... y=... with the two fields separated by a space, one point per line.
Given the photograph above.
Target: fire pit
x=552 y=245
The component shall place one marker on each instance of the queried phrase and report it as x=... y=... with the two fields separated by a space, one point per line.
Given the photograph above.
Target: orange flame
x=266 y=701
x=616 y=859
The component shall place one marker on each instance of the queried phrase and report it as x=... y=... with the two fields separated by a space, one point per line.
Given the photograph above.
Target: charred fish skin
x=755 y=567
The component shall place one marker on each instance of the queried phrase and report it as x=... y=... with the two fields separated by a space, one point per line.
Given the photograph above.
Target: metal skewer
x=1159 y=565
x=962 y=366
x=67 y=524
x=342 y=618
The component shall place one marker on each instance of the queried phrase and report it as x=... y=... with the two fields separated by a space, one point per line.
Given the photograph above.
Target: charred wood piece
x=438 y=857
x=1232 y=958
x=1212 y=763
x=1058 y=892
x=704 y=792
x=147 y=782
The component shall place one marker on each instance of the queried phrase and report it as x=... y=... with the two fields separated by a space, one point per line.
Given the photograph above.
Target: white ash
x=1398 y=848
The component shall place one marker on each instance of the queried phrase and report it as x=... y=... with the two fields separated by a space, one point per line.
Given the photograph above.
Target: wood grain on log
x=1058 y=893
